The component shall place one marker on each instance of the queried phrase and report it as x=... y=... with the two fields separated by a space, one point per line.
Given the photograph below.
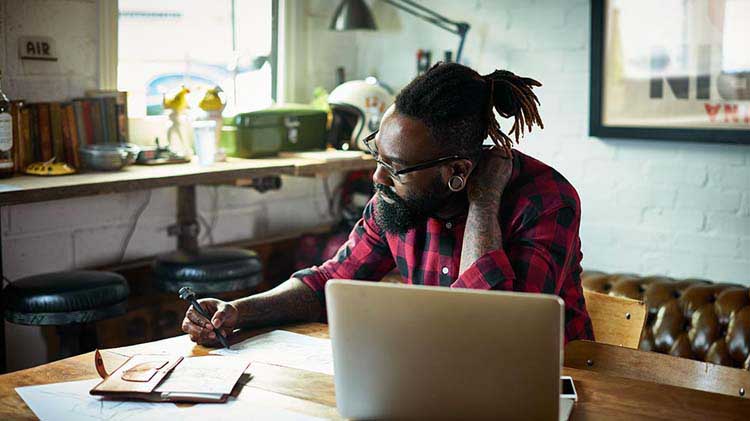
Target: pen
x=188 y=295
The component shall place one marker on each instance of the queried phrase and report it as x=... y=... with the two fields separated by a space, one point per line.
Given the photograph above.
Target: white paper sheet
x=207 y=374
x=286 y=349
x=71 y=402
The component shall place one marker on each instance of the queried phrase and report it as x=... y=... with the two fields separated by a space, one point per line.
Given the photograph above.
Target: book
x=87 y=123
x=36 y=142
x=25 y=149
x=171 y=378
x=55 y=121
x=45 y=135
x=110 y=113
x=95 y=115
x=120 y=134
x=71 y=149
x=122 y=117
x=66 y=139
x=80 y=126
x=15 y=115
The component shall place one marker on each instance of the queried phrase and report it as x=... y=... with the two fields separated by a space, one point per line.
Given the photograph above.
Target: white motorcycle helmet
x=357 y=107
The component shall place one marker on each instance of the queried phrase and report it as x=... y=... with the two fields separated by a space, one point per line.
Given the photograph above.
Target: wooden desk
x=600 y=396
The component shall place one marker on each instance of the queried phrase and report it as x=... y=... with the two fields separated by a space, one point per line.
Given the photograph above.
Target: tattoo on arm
x=481 y=235
x=291 y=301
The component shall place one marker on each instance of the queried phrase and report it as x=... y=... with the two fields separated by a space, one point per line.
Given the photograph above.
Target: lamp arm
x=458 y=28
x=462 y=33
x=409 y=3
x=435 y=19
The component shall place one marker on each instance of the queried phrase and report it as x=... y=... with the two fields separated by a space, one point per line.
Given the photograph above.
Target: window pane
x=736 y=58
x=168 y=43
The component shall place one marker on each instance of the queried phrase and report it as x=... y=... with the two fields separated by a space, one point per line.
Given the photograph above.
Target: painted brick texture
x=648 y=207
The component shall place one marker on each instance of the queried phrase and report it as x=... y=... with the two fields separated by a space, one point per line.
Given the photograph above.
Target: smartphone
x=567 y=389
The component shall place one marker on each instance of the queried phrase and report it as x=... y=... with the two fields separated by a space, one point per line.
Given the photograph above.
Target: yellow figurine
x=212 y=101
x=213 y=104
x=178 y=104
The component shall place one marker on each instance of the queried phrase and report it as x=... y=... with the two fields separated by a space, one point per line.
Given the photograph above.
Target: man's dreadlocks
x=456 y=104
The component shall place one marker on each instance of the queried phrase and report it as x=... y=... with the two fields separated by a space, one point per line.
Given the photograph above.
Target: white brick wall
x=649 y=207
x=89 y=231
x=74 y=26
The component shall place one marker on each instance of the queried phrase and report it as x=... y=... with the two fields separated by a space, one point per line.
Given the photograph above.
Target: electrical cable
x=209 y=232
x=131 y=231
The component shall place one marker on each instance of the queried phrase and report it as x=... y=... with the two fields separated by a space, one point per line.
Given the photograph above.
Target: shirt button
x=449 y=225
x=445 y=270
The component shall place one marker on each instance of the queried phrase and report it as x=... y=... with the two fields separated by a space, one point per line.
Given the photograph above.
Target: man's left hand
x=488 y=180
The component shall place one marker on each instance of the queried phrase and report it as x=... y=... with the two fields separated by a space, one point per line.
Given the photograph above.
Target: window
x=200 y=44
x=735 y=58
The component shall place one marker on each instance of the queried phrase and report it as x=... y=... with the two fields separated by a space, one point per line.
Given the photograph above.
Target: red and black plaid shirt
x=539 y=218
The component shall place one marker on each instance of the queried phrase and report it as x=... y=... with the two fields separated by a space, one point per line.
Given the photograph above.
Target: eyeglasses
x=398 y=175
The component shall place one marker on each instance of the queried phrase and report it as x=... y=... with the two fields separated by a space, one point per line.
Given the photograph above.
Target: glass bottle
x=6 y=136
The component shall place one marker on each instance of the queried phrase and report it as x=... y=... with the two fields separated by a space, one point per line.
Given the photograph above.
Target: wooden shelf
x=29 y=189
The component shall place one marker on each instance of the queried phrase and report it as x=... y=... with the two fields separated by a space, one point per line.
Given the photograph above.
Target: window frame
x=108 y=11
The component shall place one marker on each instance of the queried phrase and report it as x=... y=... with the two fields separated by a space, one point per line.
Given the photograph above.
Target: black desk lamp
x=354 y=14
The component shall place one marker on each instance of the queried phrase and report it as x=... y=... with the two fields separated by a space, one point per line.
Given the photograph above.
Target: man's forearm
x=292 y=301
x=481 y=235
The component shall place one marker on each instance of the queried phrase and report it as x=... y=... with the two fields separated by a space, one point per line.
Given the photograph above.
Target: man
x=447 y=211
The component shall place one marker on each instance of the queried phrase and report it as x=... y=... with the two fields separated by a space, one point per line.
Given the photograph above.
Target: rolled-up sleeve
x=364 y=256
x=543 y=256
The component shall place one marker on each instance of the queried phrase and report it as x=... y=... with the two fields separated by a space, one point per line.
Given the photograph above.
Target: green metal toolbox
x=288 y=127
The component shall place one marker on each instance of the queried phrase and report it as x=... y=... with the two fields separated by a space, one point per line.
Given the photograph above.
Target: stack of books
x=47 y=130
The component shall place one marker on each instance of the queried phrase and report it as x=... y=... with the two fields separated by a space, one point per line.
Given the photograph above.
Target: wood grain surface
x=601 y=395
x=658 y=368
x=616 y=320
x=28 y=189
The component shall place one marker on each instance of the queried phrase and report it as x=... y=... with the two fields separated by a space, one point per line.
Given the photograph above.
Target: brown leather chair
x=690 y=318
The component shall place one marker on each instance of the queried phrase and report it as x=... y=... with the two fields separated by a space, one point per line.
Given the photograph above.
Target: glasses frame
x=396 y=174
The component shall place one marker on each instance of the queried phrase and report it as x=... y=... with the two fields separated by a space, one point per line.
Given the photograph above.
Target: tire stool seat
x=209 y=270
x=65 y=298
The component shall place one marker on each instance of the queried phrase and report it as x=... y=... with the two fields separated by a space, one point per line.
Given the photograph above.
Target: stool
x=68 y=300
x=208 y=271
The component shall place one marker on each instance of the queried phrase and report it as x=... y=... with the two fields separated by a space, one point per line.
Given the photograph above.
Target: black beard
x=405 y=214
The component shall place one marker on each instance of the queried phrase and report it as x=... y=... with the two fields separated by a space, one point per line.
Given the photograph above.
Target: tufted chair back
x=688 y=318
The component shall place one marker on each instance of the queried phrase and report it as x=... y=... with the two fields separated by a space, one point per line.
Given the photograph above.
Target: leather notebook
x=171 y=378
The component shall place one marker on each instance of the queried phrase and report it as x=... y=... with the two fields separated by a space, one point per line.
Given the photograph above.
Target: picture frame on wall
x=670 y=70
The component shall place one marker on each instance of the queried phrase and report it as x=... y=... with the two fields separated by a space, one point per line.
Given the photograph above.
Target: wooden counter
x=28 y=188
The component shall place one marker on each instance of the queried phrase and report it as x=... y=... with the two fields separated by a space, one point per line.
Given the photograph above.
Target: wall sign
x=37 y=48
x=672 y=69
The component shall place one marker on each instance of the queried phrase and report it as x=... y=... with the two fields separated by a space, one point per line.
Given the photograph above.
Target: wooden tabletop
x=28 y=189
x=601 y=396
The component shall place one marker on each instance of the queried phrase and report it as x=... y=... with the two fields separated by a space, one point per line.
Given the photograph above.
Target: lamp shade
x=351 y=15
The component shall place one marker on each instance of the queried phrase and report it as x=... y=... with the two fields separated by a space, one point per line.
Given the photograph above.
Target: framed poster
x=671 y=70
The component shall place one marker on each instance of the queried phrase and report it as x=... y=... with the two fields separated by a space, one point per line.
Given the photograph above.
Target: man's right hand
x=201 y=330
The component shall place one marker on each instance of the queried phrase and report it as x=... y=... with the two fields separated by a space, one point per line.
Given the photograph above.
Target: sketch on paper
x=71 y=401
x=286 y=349
x=208 y=374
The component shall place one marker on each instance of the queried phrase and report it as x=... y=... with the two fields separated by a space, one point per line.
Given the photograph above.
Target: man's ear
x=462 y=168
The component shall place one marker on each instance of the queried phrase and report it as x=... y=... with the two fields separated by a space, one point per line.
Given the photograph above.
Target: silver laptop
x=404 y=351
